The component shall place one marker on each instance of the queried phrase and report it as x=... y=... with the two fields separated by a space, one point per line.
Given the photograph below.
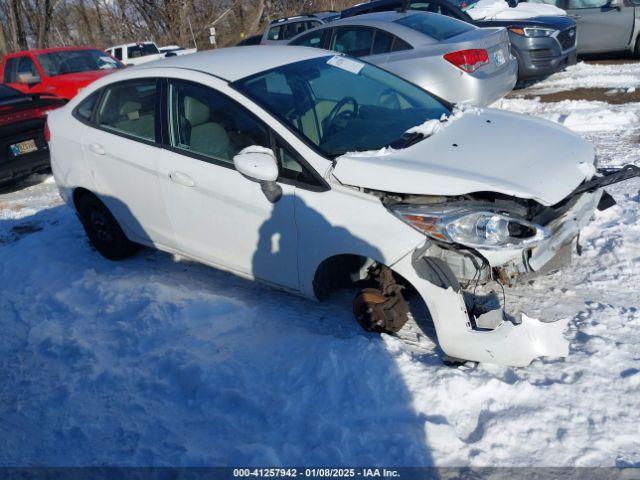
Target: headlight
x=534 y=32
x=478 y=229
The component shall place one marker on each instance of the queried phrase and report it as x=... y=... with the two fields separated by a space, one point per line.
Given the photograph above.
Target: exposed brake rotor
x=381 y=309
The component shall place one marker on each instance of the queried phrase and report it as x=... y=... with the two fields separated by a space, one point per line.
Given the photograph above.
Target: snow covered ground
x=161 y=361
x=624 y=76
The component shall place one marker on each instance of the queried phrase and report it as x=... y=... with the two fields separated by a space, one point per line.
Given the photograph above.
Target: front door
x=601 y=28
x=218 y=215
x=122 y=152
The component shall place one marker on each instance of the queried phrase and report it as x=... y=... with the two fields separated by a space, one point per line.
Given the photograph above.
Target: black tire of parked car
x=636 y=51
x=103 y=229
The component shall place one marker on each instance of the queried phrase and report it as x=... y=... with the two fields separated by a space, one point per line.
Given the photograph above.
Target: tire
x=103 y=229
x=636 y=51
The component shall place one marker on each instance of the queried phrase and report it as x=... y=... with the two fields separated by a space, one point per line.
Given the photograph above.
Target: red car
x=23 y=146
x=62 y=72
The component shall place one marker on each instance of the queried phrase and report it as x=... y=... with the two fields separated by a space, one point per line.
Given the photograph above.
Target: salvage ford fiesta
x=312 y=171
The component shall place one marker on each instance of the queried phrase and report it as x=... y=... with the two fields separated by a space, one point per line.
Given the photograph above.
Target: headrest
x=131 y=110
x=195 y=111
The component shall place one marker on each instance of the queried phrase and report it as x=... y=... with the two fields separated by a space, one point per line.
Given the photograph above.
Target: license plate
x=499 y=57
x=21 y=148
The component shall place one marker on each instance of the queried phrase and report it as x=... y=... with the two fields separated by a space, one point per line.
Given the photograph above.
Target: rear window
x=435 y=26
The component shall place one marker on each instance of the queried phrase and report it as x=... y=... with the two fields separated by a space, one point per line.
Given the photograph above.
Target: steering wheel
x=334 y=114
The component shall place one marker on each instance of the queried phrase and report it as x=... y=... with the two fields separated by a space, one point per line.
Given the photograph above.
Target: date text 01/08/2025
x=315 y=472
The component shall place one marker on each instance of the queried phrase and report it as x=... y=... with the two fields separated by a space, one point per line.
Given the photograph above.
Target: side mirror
x=28 y=78
x=260 y=165
x=512 y=3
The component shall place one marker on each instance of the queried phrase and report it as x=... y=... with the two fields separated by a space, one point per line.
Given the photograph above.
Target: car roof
x=384 y=21
x=132 y=44
x=393 y=4
x=294 y=18
x=234 y=63
x=40 y=51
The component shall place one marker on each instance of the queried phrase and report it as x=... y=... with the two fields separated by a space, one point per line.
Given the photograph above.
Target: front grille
x=567 y=38
x=541 y=53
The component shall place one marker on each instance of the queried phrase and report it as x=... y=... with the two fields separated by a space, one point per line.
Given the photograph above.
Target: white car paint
x=123 y=49
x=500 y=10
x=179 y=204
x=462 y=158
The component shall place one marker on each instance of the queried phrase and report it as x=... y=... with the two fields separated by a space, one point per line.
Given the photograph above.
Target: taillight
x=47 y=132
x=468 y=60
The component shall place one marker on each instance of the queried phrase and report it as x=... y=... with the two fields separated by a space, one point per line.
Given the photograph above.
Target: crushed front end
x=486 y=237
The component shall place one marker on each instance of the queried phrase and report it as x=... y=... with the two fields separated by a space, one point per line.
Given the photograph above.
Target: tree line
x=26 y=24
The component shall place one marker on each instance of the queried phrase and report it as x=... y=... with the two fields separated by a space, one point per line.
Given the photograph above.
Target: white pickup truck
x=136 y=53
x=176 y=50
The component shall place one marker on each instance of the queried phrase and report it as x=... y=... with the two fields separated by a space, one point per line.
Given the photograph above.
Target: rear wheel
x=103 y=230
x=636 y=51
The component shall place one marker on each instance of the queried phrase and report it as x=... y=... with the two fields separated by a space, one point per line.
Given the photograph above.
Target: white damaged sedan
x=313 y=171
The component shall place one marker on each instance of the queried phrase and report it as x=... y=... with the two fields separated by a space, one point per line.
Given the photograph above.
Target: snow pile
x=598 y=120
x=579 y=115
x=587 y=75
x=500 y=10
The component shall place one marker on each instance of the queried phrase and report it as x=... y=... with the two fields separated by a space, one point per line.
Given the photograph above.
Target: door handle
x=575 y=16
x=97 y=149
x=182 y=179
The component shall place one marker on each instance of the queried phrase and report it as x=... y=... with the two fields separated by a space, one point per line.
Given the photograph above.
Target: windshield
x=74 y=61
x=342 y=105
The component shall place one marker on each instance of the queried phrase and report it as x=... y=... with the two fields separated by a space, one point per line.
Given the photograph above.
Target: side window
x=354 y=41
x=208 y=123
x=10 y=71
x=290 y=165
x=313 y=39
x=274 y=33
x=290 y=30
x=130 y=108
x=399 y=45
x=84 y=111
x=382 y=42
x=27 y=69
x=117 y=52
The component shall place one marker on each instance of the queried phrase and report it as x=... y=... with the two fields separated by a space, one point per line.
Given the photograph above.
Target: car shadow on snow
x=161 y=361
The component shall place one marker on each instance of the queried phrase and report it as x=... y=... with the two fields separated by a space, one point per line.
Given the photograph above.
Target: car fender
x=346 y=221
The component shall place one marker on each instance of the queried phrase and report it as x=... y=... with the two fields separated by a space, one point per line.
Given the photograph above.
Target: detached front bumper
x=507 y=343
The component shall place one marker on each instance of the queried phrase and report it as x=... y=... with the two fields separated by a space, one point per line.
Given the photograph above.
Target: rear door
x=218 y=215
x=601 y=28
x=122 y=148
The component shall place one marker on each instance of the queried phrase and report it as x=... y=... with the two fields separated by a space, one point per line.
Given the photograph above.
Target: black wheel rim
x=101 y=226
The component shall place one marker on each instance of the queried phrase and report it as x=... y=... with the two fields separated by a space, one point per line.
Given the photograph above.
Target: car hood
x=499 y=9
x=82 y=78
x=557 y=22
x=481 y=151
